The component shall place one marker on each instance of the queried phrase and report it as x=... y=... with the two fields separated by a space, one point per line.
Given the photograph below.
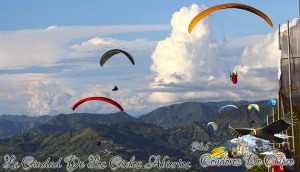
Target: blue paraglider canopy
x=271 y=102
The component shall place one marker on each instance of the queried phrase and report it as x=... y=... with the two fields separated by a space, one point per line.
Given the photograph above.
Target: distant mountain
x=10 y=128
x=186 y=113
x=169 y=116
x=14 y=124
x=243 y=116
x=24 y=118
x=76 y=134
x=64 y=122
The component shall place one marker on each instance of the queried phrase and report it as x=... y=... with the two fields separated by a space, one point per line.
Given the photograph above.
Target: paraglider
x=255 y=106
x=233 y=77
x=98 y=98
x=113 y=52
x=213 y=124
x=271 y=102
x=115 y=88
x=227 y=107
x=229 y=5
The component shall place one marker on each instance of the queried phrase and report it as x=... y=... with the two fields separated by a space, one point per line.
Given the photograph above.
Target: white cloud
x=51 y=93
x=130 y=102
x=185 y=67
x=133 y=103
x=263 y=54
x=178 y=58
x=45 y=47
x=49 y=98
x=197 y=60
x=34 y=94
x=100 y=91
x=97 y=46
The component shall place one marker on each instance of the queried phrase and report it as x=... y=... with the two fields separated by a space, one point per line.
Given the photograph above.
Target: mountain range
x=168 y=116
x=166 y=131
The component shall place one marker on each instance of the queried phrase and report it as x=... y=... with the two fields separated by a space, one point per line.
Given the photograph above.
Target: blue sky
x=30 y=14
x=50 y=52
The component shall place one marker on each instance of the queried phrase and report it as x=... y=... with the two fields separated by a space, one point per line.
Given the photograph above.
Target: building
x=242 y=148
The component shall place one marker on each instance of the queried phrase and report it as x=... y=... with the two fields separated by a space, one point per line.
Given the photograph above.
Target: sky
x=50 y=52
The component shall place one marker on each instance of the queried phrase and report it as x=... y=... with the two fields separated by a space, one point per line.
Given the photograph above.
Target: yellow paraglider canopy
x=229 y=5
x=255 y=106
x=213 y=124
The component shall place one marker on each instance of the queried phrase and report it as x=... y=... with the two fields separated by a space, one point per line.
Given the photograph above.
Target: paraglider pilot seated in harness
x=233 y=77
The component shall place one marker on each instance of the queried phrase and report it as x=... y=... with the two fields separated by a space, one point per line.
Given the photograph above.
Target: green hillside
x=64 y=122
x=186 y=113
x=10 y=128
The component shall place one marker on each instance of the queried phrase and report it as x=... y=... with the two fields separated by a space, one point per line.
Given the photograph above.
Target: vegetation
x=173 y=130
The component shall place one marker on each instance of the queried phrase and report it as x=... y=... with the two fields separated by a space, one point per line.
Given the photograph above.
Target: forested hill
x=186 y=113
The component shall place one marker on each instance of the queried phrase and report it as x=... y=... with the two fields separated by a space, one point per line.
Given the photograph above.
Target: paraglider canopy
x=227 y=106
x=271 y=102
x=113 y=52
x=98 y=98
x=255 y=106
x=229 y=5
x=213 y=124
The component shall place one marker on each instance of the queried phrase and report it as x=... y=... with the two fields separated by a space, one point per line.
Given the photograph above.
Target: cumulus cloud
x=197 y=60
x=261 y=55
x=185 y=67
x=53 y=96
x=179 y=57
x=50 y=92
x=34 y=94
x=49 y=98
x=125 y=97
